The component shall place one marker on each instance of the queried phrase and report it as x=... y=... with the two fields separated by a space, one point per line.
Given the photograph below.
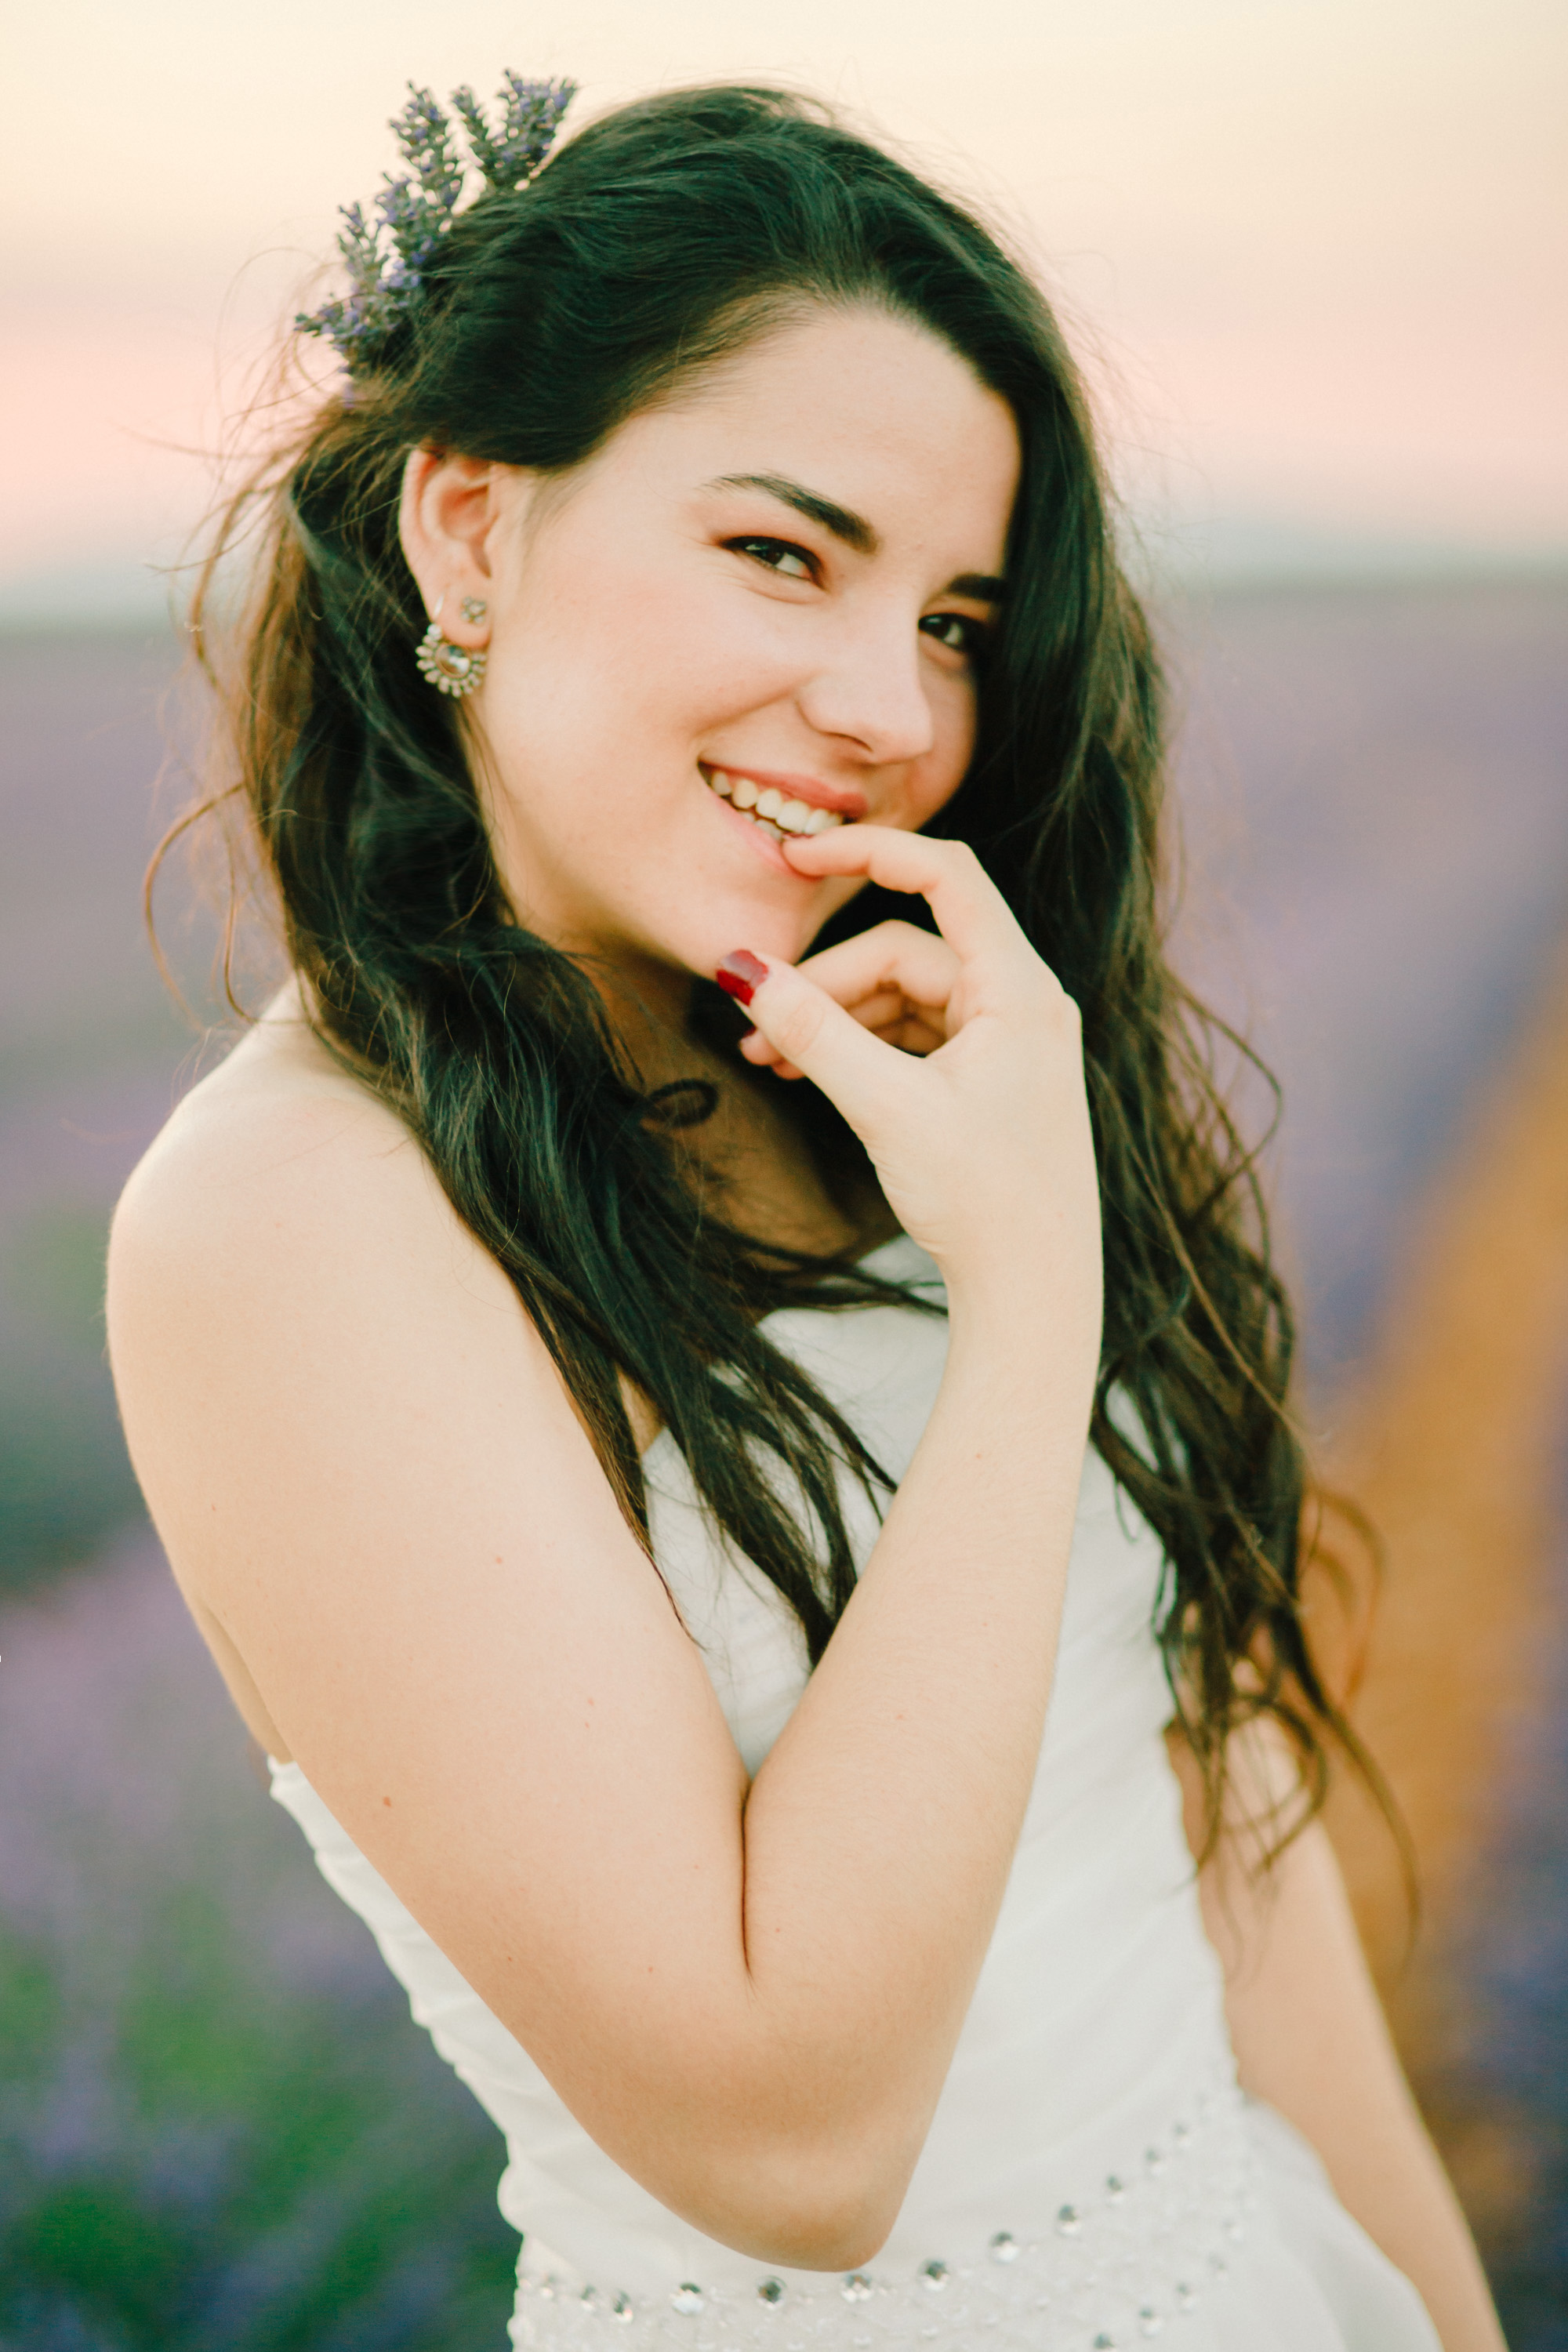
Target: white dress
x=1093 y=2177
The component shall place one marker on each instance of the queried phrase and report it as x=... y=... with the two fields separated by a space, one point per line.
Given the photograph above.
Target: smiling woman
x=831 y=670
x=735 y=1578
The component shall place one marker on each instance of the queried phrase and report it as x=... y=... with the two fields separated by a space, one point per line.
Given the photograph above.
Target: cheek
x=620 y=652
x=934 y=781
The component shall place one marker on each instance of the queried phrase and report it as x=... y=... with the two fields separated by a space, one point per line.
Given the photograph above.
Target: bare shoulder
x=278 y=1149
x=287 y=1280
x=282 y=1209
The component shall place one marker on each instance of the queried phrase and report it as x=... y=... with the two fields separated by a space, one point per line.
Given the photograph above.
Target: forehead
x=872 y=410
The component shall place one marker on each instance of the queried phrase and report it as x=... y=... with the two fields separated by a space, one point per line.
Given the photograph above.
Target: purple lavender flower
x=386 y=259
x=530 y=115
x=425 y=135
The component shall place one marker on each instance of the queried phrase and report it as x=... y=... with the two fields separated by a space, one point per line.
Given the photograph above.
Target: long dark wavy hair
x=664 y=238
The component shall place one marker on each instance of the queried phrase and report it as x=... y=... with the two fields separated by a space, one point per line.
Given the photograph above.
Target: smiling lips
x=773 y=810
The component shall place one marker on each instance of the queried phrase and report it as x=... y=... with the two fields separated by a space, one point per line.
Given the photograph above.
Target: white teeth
x=769 y=808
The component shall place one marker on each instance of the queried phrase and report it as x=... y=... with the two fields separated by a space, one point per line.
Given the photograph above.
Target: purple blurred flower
x=386 y=261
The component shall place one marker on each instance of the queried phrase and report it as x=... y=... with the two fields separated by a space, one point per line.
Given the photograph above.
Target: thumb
x=805 y=1024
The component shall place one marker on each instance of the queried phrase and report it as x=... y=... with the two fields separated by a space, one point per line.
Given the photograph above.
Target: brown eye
x=957 y=633
x=780 y=555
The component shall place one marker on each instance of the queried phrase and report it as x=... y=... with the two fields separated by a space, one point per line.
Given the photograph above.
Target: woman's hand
x=979 y=1126
x=895 y=979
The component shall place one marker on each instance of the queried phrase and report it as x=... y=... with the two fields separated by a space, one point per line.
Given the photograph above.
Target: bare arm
x=366 y=1470
x=1310 y=2039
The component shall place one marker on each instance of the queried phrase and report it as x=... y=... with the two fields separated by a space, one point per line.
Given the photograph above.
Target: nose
x=868 y=690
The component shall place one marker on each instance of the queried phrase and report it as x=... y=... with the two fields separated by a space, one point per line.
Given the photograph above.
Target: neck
x=648 y=1005
x=751 y=1150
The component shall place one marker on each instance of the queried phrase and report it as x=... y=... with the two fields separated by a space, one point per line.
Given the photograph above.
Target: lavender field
x=217 y=2127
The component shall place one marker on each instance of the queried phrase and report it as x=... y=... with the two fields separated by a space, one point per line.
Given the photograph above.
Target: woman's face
x=778 y=585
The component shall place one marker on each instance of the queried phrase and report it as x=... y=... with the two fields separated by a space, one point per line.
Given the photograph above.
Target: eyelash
x=750 y=546
x=976 y=635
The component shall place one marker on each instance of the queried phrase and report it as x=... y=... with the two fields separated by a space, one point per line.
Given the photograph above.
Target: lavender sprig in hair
x=531 y=116
x=386 y=259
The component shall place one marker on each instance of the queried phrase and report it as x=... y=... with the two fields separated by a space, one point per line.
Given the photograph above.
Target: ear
x=450 y=513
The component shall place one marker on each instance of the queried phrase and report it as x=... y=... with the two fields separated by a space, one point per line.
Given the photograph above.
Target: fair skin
x=748 y=1992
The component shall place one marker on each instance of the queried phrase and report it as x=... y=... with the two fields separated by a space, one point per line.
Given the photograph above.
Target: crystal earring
x=473 y=610
x=451 y=670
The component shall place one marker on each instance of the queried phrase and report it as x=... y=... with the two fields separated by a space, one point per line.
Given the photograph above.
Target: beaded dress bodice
x=1092 y=2176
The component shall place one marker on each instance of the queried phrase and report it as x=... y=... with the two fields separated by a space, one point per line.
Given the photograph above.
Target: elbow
x=796 y=2165
x=811 y=2209
x=845 y=2235
x=851 y=2243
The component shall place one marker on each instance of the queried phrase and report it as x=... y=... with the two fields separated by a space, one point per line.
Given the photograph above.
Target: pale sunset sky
x=1313 y=251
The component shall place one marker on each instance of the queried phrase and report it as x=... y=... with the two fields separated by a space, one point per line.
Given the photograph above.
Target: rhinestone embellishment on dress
x=1096 y=2276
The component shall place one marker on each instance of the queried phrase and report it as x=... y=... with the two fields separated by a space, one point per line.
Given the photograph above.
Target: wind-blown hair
x=663 y=239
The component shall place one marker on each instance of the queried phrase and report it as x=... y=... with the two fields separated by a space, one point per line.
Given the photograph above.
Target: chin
x=754 y=920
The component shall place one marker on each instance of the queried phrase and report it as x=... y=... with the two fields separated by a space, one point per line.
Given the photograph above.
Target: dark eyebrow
x=854 y=529
x=983 y=586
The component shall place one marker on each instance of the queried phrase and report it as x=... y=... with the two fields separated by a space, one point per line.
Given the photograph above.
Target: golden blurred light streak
x=1452 y=1442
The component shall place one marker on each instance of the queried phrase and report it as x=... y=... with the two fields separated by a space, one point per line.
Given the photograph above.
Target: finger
x=915 y=1028
x=911 y=1030
x=880 y=1012
x=811 y=1034
x=971 y=912
x=890 y=958
x=914 y=1034
x=756 y=1049
x=887 y=1015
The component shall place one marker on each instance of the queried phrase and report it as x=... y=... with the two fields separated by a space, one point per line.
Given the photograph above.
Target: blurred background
x=1311 y=253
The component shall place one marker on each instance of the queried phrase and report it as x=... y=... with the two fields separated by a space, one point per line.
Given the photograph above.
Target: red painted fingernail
x=741 y=975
